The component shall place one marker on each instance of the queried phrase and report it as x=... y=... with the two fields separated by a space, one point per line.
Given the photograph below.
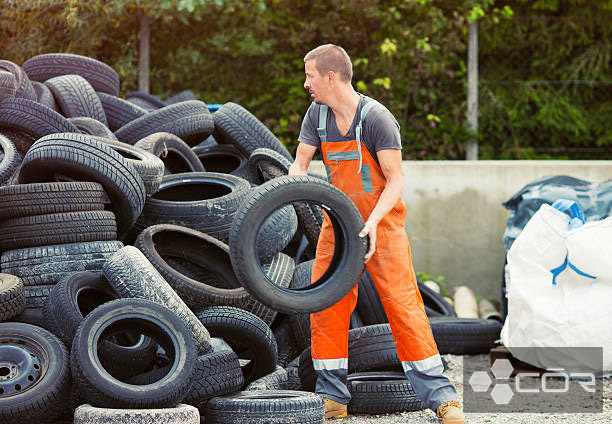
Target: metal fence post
x=472 y=91
x=143 y=56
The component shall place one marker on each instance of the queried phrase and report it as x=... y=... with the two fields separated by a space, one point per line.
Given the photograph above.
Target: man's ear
x=331 y=76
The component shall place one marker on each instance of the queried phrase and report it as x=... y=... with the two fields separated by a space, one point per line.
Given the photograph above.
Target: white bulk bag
x=559 y=288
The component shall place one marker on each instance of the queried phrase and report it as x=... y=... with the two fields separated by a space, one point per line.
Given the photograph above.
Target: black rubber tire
x=42 y=198
x=348 y=258
x=98 y=387
x=8 y=85
x=48 y=264
x=32 y=316
x=293 y=375
x=381 y=392
x=204 y=201
x=236 y=125
x=92 y=126
x=247 y=335
x=101 y=76
x=45 y=397
x=44 y=96
x=148 y=166
x=276 y=233
x=119 y=111
x=145 y=100
x=223 y=158
x=21 y=139
x=176 y=155
x=465 y=336
x=285 y=340
x=68 y=154
x=276 y=380
x=181 y=97
x=33 y=118
x=220 y=286
x=267 y=164
x=76 y=97
x=9 y=161
x=57 y=228
x=216 y=374
x=36 y=295
x=189 y=120
x=435 y=303
x=265 y=406
x=12 y=296
x=279 y=271
x=300 y=322
x=132 y=275
x=179 y=414
x=23 y=87
x=72 y=298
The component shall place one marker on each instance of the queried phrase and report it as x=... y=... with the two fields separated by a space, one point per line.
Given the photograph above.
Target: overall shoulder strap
x=322 y=128
x=364 y=111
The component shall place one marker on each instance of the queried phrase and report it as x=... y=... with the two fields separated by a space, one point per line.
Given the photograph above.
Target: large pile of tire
x=123 y=297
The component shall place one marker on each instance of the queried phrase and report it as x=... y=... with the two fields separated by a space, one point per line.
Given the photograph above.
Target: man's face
x=316 y=84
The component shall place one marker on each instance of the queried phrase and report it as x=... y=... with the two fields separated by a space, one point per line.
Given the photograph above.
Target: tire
x=381 y=392
x=300 y=322
x=293 y=376
x=189 y=120
x=33 y=118
x=46 y=198
x=10 y=160
x=236 y=125
x=12 y=296
x=220 y=286
x=36 y=295
x=45 y=265
x=465 y=336
x=435 y=303
x=43 y=397
x=45 y=66
x=179 y=414
x=266 y=164
x=276 y=232
x=72 y=298
x=58 y=228
x=92 y=126
x=66 y=153
x=102 y=389
x=203 y=201
x=216 y=374
x=266 y=406
x=8 y=85
x=223 y=158
x=276 y=380
x=279 y=272
x=23 y=86
x=44 y=96
x=285 y=340
x=181 y=97
x=350 y=248
x=145 y=100
x=21 y=139
x=247 y=335
x=119 y=111
x=176 y=155
x=133 y=276
x=76 y=97
x=148 y=166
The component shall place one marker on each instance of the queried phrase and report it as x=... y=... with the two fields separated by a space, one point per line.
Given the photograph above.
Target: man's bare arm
x=303 y=157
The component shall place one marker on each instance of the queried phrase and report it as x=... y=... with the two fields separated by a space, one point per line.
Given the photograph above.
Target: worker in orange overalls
x=361 y=149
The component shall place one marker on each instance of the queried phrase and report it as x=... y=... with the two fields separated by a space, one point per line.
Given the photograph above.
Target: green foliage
x=409 y=54
x=440 y=279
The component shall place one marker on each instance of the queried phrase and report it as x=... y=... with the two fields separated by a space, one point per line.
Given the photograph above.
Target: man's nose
x=306 y=84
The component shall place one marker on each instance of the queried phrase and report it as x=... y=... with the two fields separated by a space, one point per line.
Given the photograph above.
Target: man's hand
x=369 y=230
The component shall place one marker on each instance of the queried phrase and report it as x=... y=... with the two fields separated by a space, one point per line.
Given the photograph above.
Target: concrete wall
x=455 y=218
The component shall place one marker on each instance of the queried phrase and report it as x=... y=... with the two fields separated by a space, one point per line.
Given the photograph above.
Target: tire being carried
x=349 y=254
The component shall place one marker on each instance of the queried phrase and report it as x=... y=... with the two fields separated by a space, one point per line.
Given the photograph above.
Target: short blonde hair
x=331 y=58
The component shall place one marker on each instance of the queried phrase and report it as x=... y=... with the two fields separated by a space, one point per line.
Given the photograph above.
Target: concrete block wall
x=456 y=219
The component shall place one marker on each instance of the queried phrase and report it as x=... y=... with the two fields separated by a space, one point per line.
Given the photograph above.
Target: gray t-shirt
x=380 y=130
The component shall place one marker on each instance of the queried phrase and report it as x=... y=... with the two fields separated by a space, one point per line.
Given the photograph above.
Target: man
x=361 y=150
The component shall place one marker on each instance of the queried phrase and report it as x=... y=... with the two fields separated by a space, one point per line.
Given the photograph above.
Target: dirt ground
x=455 y=373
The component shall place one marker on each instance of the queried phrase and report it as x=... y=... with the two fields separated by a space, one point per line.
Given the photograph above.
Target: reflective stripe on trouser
x=391 y=270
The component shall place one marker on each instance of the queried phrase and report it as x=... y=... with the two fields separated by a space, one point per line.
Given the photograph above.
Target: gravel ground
x=455 y=373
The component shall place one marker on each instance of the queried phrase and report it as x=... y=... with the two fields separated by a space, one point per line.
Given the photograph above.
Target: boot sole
x=340 y=414
x=444 y=421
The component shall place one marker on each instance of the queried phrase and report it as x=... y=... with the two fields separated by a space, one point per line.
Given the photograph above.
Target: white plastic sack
x=559 y=290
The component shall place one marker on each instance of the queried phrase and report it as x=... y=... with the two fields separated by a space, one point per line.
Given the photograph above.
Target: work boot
x=334 y=409
x=451 y=413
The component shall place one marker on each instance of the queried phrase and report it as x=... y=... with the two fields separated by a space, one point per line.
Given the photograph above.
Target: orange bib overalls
x=351 y=168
